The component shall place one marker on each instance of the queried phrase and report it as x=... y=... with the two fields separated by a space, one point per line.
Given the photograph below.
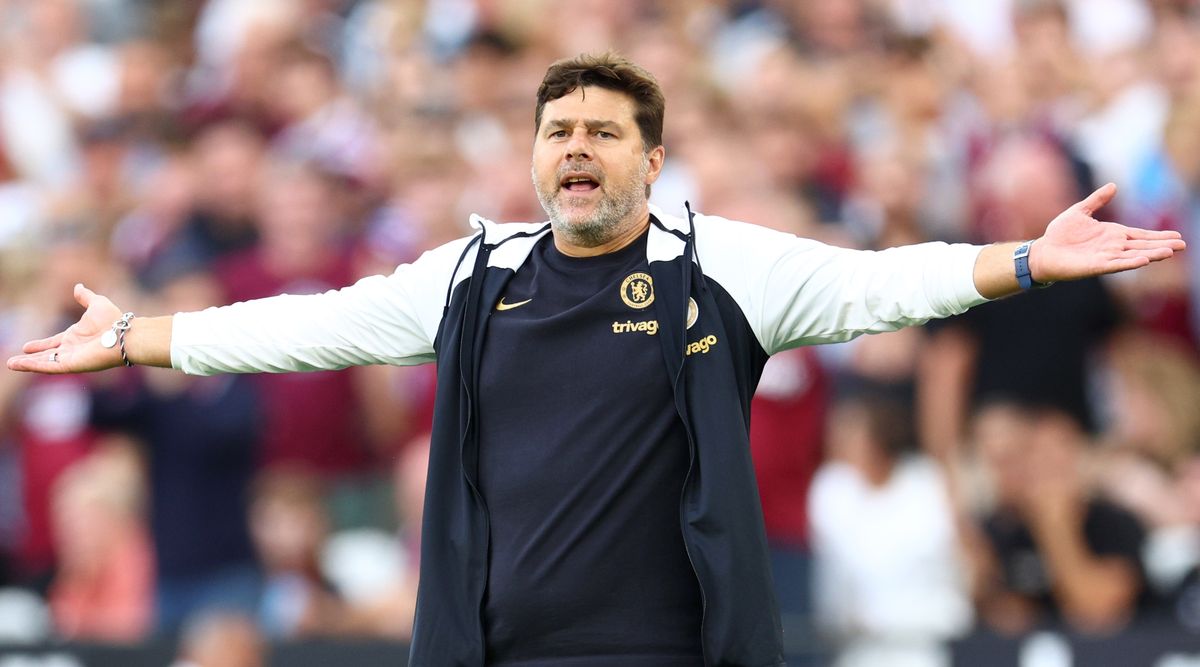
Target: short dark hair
x=611 y=71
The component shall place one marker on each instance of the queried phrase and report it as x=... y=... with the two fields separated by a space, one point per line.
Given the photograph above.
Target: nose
x=578 y=147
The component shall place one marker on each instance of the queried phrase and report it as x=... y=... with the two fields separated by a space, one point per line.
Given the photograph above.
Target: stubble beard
x=604 y=223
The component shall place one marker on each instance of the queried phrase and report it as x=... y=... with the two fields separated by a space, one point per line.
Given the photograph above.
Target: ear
x=655 y=157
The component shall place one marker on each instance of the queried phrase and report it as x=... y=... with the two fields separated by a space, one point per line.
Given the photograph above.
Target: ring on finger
x=54 y=356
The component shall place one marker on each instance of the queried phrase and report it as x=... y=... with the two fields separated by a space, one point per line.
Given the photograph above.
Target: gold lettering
x=648 y=327
x=701 y=346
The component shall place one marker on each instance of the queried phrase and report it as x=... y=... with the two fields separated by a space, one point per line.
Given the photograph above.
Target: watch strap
x=1021 y=265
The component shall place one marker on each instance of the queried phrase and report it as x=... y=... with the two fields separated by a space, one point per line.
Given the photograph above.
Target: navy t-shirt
x=582 y=463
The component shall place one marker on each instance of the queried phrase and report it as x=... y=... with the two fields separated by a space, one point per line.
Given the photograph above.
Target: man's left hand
x=1076 y=245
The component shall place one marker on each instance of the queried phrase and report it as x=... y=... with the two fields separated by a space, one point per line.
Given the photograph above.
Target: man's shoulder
x=714 y=229
x=511 y=241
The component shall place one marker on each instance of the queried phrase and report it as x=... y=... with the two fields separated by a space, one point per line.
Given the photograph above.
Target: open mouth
x=579 y=183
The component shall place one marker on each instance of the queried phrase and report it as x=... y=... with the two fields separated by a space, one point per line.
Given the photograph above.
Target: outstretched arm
x=378 y=320
x=1075 y=245
x=78 y=348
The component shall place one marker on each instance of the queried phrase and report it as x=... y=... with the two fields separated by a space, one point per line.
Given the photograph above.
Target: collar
x=512 y=242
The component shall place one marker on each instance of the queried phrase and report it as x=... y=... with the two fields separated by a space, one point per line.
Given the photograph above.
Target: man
x=1054 y=549
x=591 y=498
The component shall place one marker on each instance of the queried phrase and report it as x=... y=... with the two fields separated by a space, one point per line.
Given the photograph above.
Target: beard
x=617 y=202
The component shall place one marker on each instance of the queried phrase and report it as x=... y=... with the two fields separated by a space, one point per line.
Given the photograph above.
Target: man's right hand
x=78 y=348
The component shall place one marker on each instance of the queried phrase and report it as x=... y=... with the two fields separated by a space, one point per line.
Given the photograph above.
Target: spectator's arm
x=944 y=376
x=1094 y=591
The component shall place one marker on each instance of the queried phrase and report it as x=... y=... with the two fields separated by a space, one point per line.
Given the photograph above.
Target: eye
x=558 y=134
x=605 y=135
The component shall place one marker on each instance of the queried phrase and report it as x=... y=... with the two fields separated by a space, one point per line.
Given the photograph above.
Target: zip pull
x=458 y=265
x=691 y=244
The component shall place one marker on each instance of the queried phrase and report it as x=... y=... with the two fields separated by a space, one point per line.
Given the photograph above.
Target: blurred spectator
x=238 y=45
x=49 y=76
x=787 y=430
x=103 y=589
x=228 y=157
x=322 y=125
x=1162 y=195
x=311 y=418
x=1057 y=552
x=200 y=437
x=221 y=639
x=1153 y=450
x=103 y=190
x=883 y=210
x=890 y=588
x=378 y=574
x=1186 y=601
x=148 y=239
x=289 y=524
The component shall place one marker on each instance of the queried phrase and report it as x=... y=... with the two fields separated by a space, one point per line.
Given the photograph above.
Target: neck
x=629 y=233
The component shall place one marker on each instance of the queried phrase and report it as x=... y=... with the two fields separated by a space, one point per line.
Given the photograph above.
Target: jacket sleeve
x=378 y=320
x=797 y=291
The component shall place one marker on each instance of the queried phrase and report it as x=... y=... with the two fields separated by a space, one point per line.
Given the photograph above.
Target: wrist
x=1026 y=267
x=148 y=342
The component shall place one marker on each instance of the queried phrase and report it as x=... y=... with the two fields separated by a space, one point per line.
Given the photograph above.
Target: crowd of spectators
x=1036 y=460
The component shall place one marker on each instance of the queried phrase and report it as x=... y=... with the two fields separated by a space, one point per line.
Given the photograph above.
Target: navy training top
x=582 y=463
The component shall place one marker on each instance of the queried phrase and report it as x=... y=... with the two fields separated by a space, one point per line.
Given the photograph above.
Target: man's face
x=589 y=166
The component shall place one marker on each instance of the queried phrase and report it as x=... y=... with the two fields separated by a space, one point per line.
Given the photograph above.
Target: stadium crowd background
x=1035 y=461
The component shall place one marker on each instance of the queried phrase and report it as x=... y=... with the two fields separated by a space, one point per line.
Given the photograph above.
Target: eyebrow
x=591 y=124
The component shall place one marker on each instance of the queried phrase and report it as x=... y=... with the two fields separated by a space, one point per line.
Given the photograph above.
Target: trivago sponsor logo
x=648 y=327
x=701 y=346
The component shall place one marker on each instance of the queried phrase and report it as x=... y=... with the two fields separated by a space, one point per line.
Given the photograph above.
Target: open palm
x=78 y=348
x=1076 y=245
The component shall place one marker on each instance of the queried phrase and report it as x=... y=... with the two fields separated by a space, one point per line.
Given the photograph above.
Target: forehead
x=591 y=103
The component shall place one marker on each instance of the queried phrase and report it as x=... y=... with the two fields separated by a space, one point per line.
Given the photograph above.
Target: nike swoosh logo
x=509 y=306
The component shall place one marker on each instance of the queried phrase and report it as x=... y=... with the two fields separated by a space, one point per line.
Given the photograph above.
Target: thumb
x=1096 y=201
x=84 y=295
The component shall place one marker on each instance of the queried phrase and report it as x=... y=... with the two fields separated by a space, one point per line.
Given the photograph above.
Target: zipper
x=680 y=409
x=470 y=326
x=487 y=548
x=682 y=522
x=487 y=519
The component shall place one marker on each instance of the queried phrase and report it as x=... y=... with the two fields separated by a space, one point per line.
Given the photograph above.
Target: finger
x=1126 y=264
x=1096 y=201
x=1139 y=244
x=42 y=362
x=1152 y=234
x=1151 y=255
x=42 y=344
x=1158 y=254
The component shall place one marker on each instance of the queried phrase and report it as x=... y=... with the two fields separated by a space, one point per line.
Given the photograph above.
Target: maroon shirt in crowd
x=311 y=419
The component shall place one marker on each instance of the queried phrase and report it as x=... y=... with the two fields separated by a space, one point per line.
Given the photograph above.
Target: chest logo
x=693 y=312
x=637 y=290
x=500 y=305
